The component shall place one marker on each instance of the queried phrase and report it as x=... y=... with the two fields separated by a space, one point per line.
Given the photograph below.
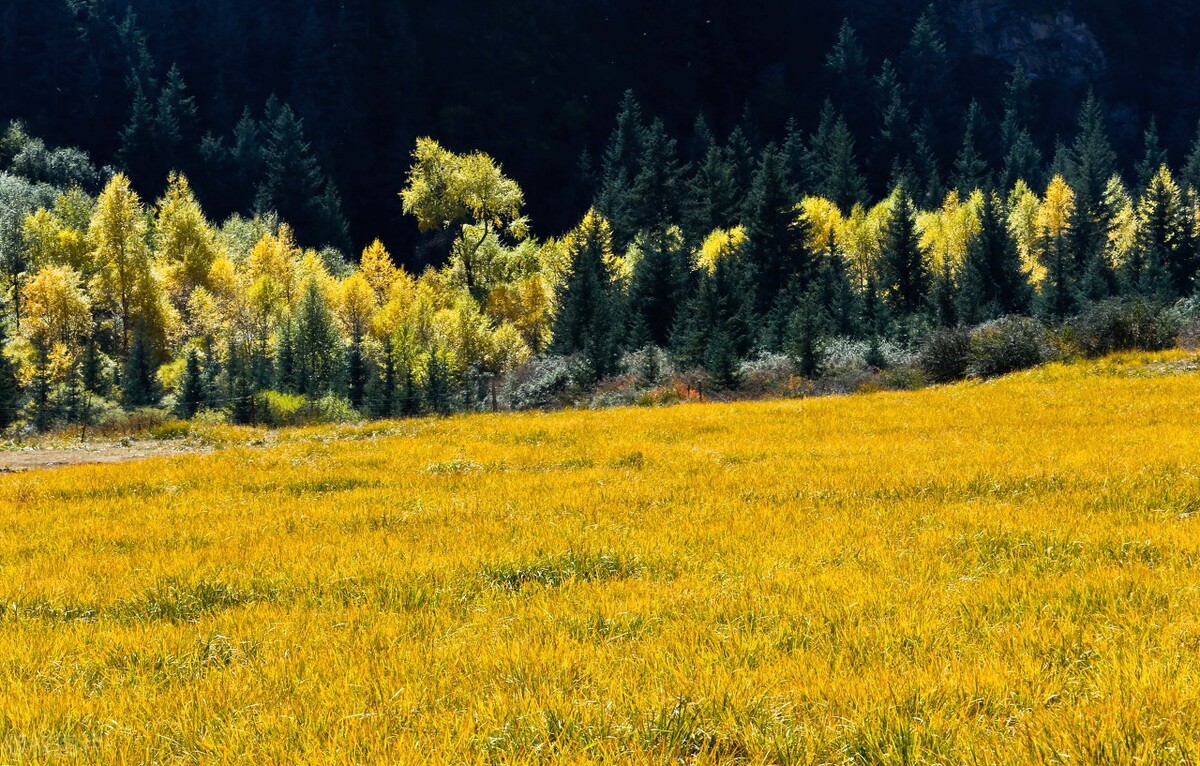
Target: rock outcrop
x=1052 y=44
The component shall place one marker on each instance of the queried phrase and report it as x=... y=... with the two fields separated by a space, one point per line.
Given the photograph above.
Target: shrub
x=946 y=355
x=278 y=409
x=540 y=382
x=1007 y=345
x=1117 y=325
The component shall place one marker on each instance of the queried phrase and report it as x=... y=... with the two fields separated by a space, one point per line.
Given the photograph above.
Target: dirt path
x=17 y=460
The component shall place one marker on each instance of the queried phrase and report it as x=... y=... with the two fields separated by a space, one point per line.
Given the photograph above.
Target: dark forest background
x=151 y=85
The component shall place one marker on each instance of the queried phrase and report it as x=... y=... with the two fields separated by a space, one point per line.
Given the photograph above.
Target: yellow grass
x=1003 y=572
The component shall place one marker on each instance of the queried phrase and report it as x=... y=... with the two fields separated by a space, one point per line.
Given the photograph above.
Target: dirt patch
x=17 y=460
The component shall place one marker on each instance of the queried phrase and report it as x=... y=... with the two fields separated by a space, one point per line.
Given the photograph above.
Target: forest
x=887 y=226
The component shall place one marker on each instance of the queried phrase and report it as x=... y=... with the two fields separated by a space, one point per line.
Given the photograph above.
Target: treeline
x=150 y=86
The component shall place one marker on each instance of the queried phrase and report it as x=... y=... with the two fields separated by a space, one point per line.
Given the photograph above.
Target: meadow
x=993 y=573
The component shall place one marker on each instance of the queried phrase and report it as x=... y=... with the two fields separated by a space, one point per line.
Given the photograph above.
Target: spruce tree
x=658 y=287
x=1190 y=175
x=804 y=336
x=138 y=388
x=774 y=249
x=905 y=274
x=993 y=282
x=970 y=167
x=437 y=385
x=621 y=162
x=381 y=387
x=191 y=390
x=1090 y=162
x=1154 y=156
x=10 y=389
x=356 y=374
x=589 y=318
x=318 y=346
x=658 y=186
x=41 y=409
x=831 y=166
x=1162 y=242
x=849 y=65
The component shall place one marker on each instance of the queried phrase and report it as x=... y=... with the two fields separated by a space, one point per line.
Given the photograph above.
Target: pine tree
x=970 y=168
x=356 y=374
x=712 y=196
x=620 y=166
x=1154 y=156
x=993 y=282
x=292 y=184
x=774 y=248
x=41 y=409
x=657 y=288
x=1090 y=163
x=191 y=390
x=721 y=362
x=894 y=149
x=138 y=387
x=437 y=385
x=318 y=346
x=927 y=71
x=588 y=320
x=838 y=300
x=10 y=389
x=658 y=186
x=804 y=336
x=905 y=274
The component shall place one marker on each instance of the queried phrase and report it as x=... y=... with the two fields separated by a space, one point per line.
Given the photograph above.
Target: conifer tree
x=1154 y=156
x=970 y=167
x=904 y=271
x=993 y=283
x=588 y=320
x=620 y=166
x=318 y=346
x=804 y=336
x=191 y=389
x=10 y=390
x=437 y=385
x=382 y=387
x=773 y=250
x=41 y=409
x=657 y=288
x=1091 y=161
x=138 y=387
x=1190 y=175
x=831 y=165
x=849 y=65
x=658 y=186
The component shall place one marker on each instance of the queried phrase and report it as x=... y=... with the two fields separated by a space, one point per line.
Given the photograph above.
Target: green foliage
x=1007 y=345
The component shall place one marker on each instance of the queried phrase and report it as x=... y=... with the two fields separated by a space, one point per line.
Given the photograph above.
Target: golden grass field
x=992 y=573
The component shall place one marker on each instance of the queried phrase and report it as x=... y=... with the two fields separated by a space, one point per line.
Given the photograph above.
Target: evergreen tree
x=905 y=274
x=804 y=336
x=712 y=196
x=773 y=251
x=318 y=346
x=927 y=71
x=721 y=361
x=894 y=149
x=41 y=409
x=944 y=295
x=658 y=186
x=838 y=300
x=621 y=163
x=1190 y=175
x=356 y=374
x=1163 y=266
x=93 y=374
x=658 y=287
x=138 y=387
x=381 y=388
x=970 y=168
x=191 y=390
x=588 y=319
x=409 y=403
x=1154 y=156
x=848 y=63
x=993 y=282
x=832 y=169
x=1090 y=163
x=437 y=385
x=10 y=389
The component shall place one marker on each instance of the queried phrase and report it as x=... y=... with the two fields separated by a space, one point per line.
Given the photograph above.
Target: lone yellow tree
x=445 y=190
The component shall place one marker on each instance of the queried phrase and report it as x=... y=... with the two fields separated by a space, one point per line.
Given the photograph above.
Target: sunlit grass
x=1001 y=572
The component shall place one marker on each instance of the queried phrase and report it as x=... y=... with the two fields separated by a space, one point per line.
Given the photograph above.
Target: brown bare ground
x=32 y=458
